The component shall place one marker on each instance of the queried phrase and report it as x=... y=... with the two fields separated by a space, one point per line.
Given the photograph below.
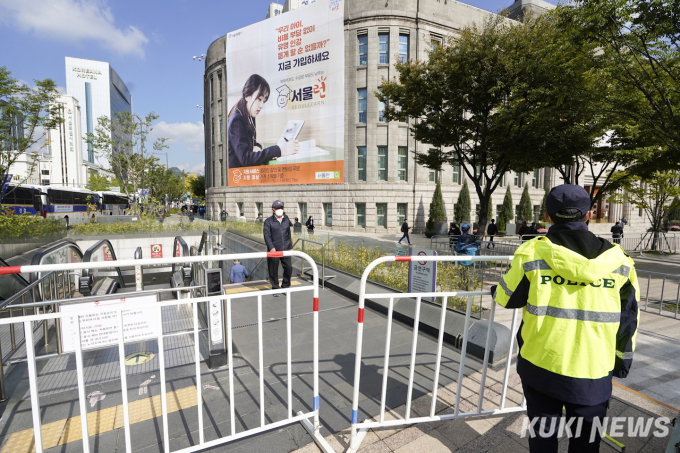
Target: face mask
x=278 y=212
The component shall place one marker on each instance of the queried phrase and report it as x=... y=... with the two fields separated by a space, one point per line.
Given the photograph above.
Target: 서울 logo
x=334 y=5
x=237 y=176
x=308 y=93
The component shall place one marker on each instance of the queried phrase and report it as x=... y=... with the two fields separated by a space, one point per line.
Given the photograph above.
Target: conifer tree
x=525 y=213
x=437 y=211
x=541 y=215
x=507 y=213
x=462 y=208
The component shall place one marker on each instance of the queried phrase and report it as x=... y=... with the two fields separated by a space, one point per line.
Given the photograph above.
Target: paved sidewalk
x=501 y=434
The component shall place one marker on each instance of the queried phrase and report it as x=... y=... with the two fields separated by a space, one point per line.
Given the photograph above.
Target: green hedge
x=28 y=227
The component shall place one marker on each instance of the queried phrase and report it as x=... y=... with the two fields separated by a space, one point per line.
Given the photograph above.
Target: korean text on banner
x=286 y=100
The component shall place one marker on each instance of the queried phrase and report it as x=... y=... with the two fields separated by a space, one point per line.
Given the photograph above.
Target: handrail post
x=3 y=394
x=323 y=266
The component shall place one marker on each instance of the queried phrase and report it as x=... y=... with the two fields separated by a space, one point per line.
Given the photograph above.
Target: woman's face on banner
x=255 y=103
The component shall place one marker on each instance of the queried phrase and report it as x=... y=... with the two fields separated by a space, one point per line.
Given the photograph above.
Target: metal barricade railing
x=118 y=310
x=358 y=430
x=323 y=258
x=654 y=293
x=39 y=295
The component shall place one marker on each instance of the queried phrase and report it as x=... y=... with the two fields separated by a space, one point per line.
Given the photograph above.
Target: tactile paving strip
x=69 y=430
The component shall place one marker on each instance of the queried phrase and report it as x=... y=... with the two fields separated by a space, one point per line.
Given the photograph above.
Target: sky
x=149 y=43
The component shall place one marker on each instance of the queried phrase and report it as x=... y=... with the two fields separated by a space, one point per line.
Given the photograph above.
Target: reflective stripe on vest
x=536 y=266
x=573 y=313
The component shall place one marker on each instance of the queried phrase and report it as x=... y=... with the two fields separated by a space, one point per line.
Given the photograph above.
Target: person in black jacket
x=277 y=237
x=310 y=226
x=244 y=151
x=617 y=233
x=404 y=229
x=297 y=226
x=492 y=231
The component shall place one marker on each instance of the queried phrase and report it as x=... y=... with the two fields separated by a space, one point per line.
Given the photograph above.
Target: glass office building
x=100 y=92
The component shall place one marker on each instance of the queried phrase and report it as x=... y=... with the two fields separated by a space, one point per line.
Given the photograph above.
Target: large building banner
x=286 y=99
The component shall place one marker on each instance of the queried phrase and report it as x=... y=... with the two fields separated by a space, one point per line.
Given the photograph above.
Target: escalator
x=10 y=284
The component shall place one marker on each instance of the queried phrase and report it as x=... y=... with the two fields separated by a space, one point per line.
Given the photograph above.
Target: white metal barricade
x=359 y=430
x=312 y=427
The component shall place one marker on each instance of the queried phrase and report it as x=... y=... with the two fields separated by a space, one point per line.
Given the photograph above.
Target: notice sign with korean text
x=99 y=327
x=157 y=251
x=422 y=274
x=286 y=98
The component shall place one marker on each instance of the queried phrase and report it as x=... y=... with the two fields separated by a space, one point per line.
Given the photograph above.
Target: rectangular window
x=384 y=48
x=431 y=176
x=213 y=129
x=403 y=163
x=534 y=179
x=363 y=50
x=402 y=208
x=382 y=163
x=361 y=215
x=240 y=208
x=219 y=82
x=361 y=163
x=222 y=171
x=303 y=212
x=516 y=213
x=518 y=179
x=258 y=206
x=362 y=104
x=212 y=90
x=45 y=182
x=381 y=214
x=456 y=174
x=434 y=42
x=403 y=48
x=221 y=128
x=328 y=214
x=537 y=213
x=45 y=172
x=381 y=111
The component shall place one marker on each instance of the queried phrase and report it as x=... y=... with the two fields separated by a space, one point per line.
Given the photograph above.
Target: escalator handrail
x=38 y=257
x=88 y=255
x=27 y=289
x=185 y=250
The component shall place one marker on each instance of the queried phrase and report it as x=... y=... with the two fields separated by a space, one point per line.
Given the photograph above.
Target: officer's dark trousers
x=273 y=266
x=542 y=405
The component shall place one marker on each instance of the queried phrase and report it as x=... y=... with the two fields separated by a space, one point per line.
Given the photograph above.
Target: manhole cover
x=138 y=358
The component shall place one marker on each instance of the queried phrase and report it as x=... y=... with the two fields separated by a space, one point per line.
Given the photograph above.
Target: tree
x=437 y=210
x=196 y=185
x=122 y=141
x=163 y=183
x=98 y=182
x=674 y=213
x=501 y=97
x=654 y=196
x=541 y=215
x=635 y=44
x=507 y=214
x=461 y=210
x=25 y=116
x=526 y=212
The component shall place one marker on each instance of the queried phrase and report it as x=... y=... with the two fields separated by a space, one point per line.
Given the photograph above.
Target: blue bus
x=24 y=200
x=70 y=203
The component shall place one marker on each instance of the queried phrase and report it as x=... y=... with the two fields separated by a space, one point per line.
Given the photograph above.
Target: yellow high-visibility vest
x=573 y=307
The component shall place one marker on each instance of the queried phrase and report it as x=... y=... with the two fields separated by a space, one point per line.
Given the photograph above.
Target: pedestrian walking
x=191 y=216
x=617 y=233
x=492 y=230
x=238 y=273
x=404 y=229
x=259 y=218
x=579 y=295
x=310 y=226
x=242 y=217
x=277 y=237
x=297 y=226
x=624 y=222
x=223 y=215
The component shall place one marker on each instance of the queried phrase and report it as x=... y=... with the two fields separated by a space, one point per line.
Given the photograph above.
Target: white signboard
x=63 y=208
x=422 y=274
x=99 y=328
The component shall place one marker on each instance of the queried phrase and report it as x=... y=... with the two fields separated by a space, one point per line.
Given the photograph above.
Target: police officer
x=579 y=296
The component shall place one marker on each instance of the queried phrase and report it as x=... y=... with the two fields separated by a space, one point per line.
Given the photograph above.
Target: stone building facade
x=382 y=182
